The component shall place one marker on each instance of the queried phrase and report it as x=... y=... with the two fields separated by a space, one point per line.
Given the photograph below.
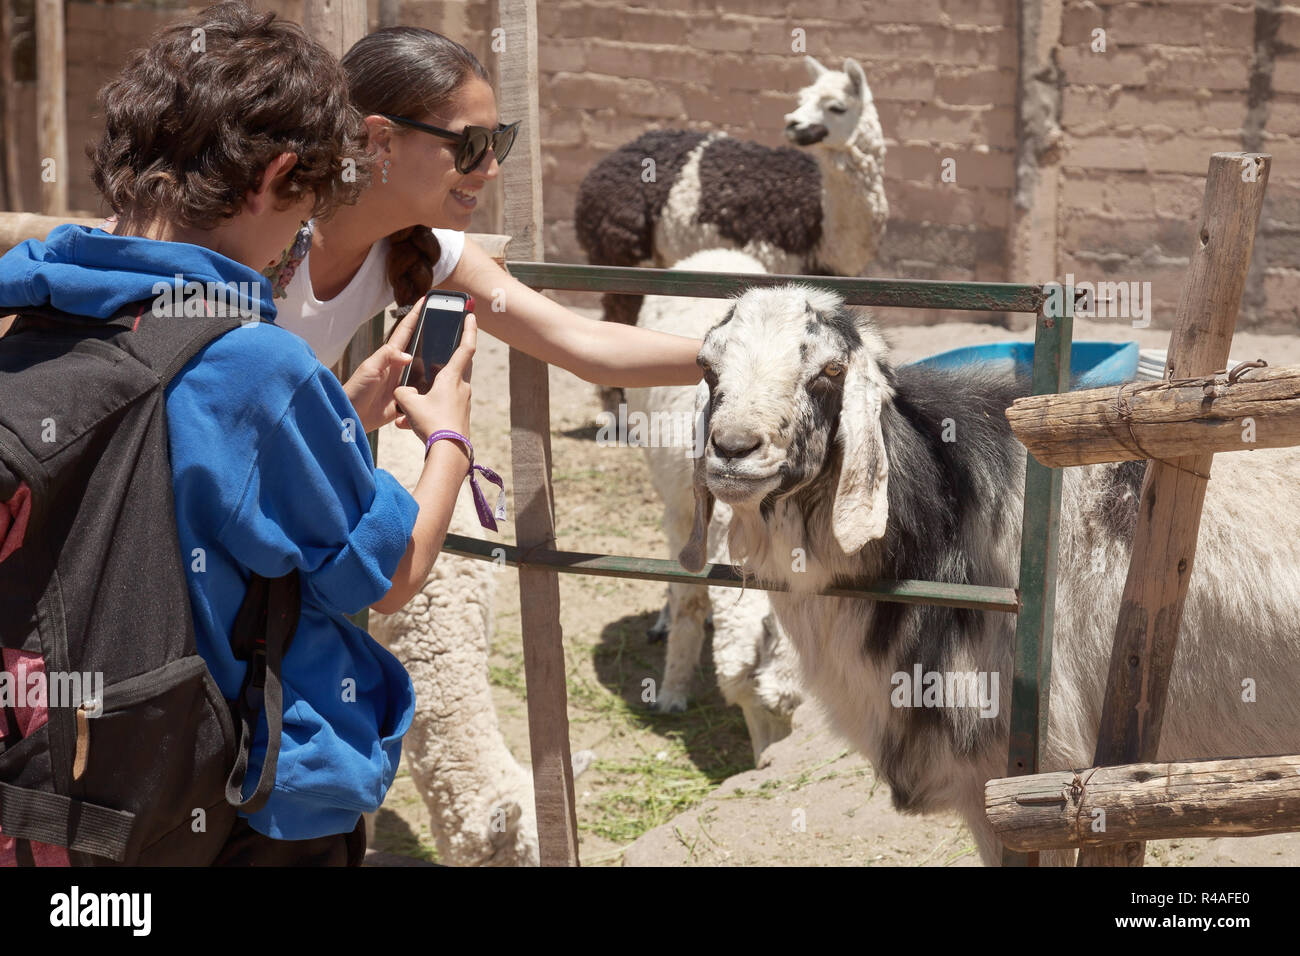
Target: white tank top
x=329 y=326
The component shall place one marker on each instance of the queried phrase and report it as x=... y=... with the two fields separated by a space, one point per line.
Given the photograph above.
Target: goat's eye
x=837 y=108
x=833 y=369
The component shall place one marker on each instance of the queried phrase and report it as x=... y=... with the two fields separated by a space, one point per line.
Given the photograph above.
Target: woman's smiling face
x=423 y=171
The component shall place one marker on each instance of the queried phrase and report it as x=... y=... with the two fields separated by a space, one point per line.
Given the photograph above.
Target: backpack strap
x=64 y=821
x=163 y=343
x=262 y=634
x=47 y=317
x=166 y=344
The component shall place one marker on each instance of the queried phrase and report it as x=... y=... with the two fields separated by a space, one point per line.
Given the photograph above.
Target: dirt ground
x=682 y=789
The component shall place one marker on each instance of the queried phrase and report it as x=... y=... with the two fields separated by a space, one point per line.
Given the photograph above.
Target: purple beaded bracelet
x=480 y=503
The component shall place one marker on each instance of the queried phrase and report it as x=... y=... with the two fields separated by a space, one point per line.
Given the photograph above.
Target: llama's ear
x=857 y=75
x=861 y=506
x=693 y=553
x=815 y=69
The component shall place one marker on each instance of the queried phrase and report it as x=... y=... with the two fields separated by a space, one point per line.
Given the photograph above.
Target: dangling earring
x=384 y=171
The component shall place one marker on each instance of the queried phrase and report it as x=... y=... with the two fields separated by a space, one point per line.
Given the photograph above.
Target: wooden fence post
x=51 y=107
x=335 y=24
x=8 y=124
x=1169 y=516
x=530 y=447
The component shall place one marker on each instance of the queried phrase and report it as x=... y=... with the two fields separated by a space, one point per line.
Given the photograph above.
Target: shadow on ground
x=584 y=433
x=394 y=837
x=711 y=731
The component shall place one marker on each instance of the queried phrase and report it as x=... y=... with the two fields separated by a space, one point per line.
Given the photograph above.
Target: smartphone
x=437 y=336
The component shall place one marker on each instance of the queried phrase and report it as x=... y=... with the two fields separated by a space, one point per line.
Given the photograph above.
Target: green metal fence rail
x=882 y=293
x=974 y=596
x=1033 y=601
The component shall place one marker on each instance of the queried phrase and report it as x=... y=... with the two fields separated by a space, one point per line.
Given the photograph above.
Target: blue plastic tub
x=1092 y=364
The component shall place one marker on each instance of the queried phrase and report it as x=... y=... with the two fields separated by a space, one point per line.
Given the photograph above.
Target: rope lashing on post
x=1124 y=410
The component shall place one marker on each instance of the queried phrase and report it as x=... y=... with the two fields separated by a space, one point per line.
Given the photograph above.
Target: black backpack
x=92 y=583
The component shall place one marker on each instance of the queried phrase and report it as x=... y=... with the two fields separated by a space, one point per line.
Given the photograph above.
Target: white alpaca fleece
x=480 y=801
x=753 y=658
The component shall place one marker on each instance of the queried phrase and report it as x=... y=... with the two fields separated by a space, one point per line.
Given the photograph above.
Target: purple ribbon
x=480 y=502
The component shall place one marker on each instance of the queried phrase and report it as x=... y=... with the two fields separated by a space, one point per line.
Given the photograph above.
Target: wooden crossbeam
x=1152 y=420
x=15 y=227
x=1146 y=801
x=1169 y=515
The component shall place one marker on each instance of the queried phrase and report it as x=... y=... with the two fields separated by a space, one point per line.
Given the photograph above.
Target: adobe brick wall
x=1178 y=80
x=942 y=72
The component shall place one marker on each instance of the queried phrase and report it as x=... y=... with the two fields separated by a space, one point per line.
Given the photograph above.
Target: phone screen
x=436 y=339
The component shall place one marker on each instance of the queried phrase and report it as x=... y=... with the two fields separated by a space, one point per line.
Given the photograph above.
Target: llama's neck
x=854 y=207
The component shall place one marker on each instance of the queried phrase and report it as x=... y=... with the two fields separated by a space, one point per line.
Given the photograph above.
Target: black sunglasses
x=474 y=141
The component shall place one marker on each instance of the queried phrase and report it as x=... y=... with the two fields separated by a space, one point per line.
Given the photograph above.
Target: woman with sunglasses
x=437 y=141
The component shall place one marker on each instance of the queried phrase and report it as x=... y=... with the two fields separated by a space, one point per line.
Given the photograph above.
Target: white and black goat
x=839 y=466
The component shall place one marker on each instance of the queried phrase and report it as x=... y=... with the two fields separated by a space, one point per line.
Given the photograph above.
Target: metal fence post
x=1031 y=683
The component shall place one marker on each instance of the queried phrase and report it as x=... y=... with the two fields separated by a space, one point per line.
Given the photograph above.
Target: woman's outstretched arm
x=605 y=353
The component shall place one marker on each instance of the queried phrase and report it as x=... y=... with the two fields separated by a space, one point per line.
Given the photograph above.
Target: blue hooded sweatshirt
x=270 y=472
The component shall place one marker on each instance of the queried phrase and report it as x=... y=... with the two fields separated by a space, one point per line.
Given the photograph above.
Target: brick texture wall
x=1176 y=81
x=943 y=74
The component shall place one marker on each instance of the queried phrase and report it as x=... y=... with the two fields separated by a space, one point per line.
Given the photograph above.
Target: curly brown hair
x=194 y=119
x=411 y=72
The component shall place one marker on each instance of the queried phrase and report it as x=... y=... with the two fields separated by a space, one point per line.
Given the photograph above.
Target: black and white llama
x=819 y=209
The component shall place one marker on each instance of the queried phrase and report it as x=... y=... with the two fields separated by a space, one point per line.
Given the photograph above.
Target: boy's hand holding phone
x=447 y=402
x=370 y=389
x=420 y=345
x=437 y=333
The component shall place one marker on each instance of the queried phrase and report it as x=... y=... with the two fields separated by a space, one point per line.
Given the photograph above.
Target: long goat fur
x=818 y=442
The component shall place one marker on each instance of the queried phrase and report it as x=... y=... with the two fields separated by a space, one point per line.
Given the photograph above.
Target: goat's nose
x=735 y=444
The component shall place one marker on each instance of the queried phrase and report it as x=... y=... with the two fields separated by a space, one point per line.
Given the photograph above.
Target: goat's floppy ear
x=815 y=69
x=861 y=506
x=693 y=553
